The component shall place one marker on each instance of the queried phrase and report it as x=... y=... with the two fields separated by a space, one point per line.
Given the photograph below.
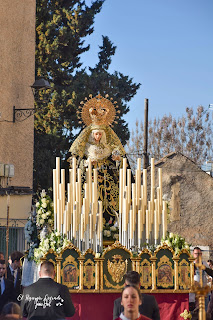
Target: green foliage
x=61 y=28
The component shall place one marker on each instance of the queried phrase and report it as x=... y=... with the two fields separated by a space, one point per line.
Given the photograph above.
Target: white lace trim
x=97 y=152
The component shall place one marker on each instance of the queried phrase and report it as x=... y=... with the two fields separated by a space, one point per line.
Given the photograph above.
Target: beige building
x=17 y=65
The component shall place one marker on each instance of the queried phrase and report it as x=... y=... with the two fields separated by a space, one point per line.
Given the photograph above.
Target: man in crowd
x=1 y=255
x=149 y=306
x=14 y=272
x=6 y=287
x=47 y=299
x=197 y=253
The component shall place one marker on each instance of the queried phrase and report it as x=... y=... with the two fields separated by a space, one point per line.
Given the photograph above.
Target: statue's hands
x=94 y=163
x=116 y=157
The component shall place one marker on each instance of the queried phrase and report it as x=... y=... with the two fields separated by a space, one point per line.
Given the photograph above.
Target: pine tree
x=61 y=27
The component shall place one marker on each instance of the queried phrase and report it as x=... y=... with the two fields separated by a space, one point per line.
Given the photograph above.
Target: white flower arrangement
x=176 y=242
x=110 y=232
x=55 y=241
x=44 y=209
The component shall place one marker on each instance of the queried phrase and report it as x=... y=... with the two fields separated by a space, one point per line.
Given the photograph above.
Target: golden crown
x=98 y=110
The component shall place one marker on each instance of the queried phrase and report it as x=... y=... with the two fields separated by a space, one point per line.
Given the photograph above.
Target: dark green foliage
x=61 y=27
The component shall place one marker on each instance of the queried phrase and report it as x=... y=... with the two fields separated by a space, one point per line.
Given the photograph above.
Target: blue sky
x=166 y=45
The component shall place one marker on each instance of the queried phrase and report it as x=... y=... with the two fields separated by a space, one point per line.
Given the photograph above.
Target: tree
x=61 y=27
x=119 y=87
x=191 y=135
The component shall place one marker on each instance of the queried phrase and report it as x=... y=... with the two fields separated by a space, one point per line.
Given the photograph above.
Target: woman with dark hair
x=11 y=310
x=130 y=300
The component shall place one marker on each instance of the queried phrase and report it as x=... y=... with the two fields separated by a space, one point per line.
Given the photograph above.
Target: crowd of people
x=207 y=276
x=47 y=299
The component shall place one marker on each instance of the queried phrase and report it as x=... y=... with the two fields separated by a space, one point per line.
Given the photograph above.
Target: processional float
x=100 y=188
x=80 y=214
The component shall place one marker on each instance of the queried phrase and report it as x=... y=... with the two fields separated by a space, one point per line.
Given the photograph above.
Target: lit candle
x=65 y=229
x=74 y=179
x=68 y=216
x=155 y=225
x=133 y=212
x=164 y=219
x=160 y=187
x=74 y=221
x=82 y=227
x=55 y=198
x=79 y=186
x=57 y=175
x=60 y=204
x=90 y=226
x=139 y=224
x=145 y=187
x=95 y=175
x=63 y=189
x=147 y=225
x=86 y=203
x=90 y=179
x=98 y=226
x=129 y=187
x=124 y=220
x=100 y=215
x=131 y=224
x=124 y=171
x=120 y=191
x=152 y=179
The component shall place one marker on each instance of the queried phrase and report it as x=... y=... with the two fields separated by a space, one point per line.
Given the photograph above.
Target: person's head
x=2 y=268
x=1 y=255
x=132 y=278
x=197 y=253
x=11 y=309
x=210 y=264
x=97 y=135
x=16 y=259
x=131 y=300
x=47 y=270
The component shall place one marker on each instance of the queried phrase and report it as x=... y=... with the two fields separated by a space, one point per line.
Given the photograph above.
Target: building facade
x=17 y=65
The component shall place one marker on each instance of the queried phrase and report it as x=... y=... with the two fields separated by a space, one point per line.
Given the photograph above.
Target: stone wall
x=189 y=191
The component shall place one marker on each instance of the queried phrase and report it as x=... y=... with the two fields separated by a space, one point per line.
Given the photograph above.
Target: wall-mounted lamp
x=23 y=114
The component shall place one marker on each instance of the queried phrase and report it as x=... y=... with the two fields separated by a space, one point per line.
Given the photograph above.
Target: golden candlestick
x=201 y=290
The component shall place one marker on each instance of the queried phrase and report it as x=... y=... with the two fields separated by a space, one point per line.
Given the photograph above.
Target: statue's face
x=97 y=135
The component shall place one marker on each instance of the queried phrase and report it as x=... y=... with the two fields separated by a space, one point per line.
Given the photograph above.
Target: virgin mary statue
x=100 y=143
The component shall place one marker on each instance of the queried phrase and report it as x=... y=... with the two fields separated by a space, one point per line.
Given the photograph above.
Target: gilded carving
x=165 y=273
x=89 y=271
x=70 y=272
x=184 y=274
x=117 y=268
x=110 y=285
x=117 y=245
x=145 y=272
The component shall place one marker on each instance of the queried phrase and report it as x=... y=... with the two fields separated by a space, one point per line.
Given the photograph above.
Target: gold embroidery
x=117 y=268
